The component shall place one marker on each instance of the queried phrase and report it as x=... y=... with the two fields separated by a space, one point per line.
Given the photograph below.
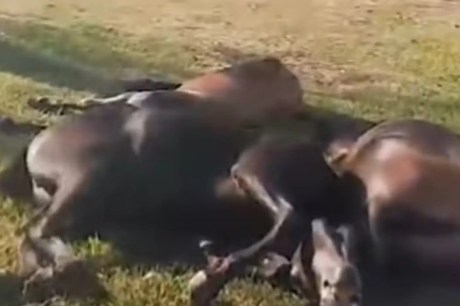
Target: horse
x=112 y=151
x=115 y=139
x=407 y=171
x=291 y=180
x=250 y=92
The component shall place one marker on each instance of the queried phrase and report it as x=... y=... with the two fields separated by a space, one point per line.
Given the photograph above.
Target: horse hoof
x=197 y=281
x=203 y=289
x=78 y=280
x=197 y=288
x=39 y=103
x=205 y=285
x=38 y=288
x=28 y=260
x=275 y=267
x=73 y=279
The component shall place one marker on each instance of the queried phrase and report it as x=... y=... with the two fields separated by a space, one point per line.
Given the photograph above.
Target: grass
x=376 y=60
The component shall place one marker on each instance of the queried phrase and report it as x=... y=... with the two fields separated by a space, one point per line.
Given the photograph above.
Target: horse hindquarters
x=406 y=246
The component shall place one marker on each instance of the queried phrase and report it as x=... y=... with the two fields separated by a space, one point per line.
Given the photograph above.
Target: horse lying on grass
x=408 y=172
x=290 y=179
x=251 y=92
x=165 y=151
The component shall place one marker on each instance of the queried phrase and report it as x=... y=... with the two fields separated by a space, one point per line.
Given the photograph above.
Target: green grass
x=388 y=60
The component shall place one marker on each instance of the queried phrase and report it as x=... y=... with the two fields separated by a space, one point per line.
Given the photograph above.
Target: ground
x=375 y=59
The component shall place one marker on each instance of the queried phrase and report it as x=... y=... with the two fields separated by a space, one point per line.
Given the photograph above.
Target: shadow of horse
x=150 y=247
x=10 y=290
x=49 y=69
x=83 y=57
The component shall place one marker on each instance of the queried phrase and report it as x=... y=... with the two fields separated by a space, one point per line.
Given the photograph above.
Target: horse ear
x=336 y=154
x=335 y=159
x=348 y=241
x=320 y=235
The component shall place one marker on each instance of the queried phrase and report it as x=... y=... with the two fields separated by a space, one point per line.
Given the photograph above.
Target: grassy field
x=375 y=59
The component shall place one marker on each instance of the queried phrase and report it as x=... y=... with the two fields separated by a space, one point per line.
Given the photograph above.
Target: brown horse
x=290 y=179
x=249 y=92
x=409 y=171
x=90 y=163
x=132 y=129
x=85 y=172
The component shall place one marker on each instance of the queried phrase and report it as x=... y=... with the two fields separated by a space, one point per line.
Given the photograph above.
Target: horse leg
x=44 y=105
x=206 y=285
x=58 y=270
x=121 y=98
x=378 y=242
x=132 y=87
x=301 y=274
x=272 y=266
x=285 y=220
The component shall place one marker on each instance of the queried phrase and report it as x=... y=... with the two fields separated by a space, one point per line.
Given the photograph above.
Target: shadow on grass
x=49 y=69
x=10 y=290
x=150 y=247
x=85 y=57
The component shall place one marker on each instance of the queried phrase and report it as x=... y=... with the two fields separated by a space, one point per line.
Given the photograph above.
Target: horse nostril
x=355 y=300
x=336 y=297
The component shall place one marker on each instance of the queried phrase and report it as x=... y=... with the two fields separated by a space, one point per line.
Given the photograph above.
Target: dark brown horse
x=250 y=92
x=409 y=171
x=290 y=179
x=171 y=151
x=87 y=180
x=98 y=161
x=116 y=165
